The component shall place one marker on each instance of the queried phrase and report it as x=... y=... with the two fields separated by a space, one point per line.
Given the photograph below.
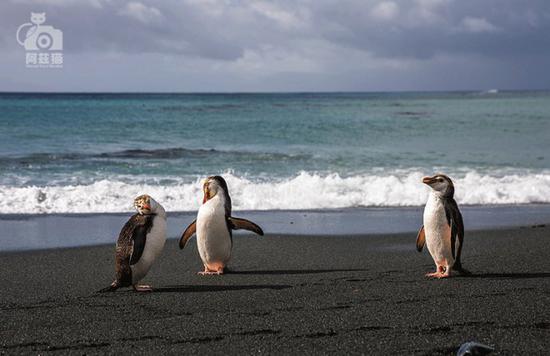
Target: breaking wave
x=302 y=191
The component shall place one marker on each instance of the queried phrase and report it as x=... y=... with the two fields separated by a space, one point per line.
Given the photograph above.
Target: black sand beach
x=286 y=294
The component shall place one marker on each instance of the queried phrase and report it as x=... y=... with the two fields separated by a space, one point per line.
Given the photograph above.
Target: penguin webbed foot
x=438 y=275
x=441 y=272
x=142 y=288
x=210 y=272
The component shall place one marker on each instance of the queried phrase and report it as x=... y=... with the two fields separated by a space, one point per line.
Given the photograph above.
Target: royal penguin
x=214 y=227
x=443 y=228
x=139 y=244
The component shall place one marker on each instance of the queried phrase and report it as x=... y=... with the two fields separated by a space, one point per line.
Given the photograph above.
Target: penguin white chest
x=154 y=244
x=213 y=239
x=438 y=231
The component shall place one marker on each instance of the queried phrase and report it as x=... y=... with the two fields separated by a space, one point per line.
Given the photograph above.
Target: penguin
x=443 y=228
x=139 y=244
x=214 y=227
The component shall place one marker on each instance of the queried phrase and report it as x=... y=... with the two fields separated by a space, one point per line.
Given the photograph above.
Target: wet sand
x=286 y=294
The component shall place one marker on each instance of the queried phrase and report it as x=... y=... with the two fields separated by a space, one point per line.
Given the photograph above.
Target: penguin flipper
x=139 y=236
x=237 y=224
x=454 y=219
x=130 y=246
x=188 y=233
x=453 y=240
x=460 y=235
x=420 y=239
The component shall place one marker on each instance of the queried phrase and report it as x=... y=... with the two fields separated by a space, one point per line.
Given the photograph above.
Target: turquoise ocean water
x=84 y=153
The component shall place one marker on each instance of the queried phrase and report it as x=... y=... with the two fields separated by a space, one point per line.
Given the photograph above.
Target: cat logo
x=39 y=37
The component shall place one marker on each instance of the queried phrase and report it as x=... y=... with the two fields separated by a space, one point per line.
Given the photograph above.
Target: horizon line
x=278 y=92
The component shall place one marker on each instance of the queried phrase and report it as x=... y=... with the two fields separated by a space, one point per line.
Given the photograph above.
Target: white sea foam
x=303 y=191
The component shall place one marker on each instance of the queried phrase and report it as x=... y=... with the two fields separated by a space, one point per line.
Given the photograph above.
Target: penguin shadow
x=293 y=271
x=216 y=288
x=506 y=275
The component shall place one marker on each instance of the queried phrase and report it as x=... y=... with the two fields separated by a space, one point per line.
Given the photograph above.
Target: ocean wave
x=161 y=153
x=303 y=191
x=199 y=108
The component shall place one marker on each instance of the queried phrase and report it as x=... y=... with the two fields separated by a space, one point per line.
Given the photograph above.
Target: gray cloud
x=229 y=45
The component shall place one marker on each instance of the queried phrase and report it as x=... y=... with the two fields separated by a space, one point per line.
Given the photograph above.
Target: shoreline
x=308 y=294
x=47 y=231
x=321 y=210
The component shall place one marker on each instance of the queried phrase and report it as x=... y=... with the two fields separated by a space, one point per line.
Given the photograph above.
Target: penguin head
x=212 y=186
x=441 y=184
x=145 y=205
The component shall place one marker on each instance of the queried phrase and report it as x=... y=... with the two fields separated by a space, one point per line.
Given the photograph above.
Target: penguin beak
x=428 y=180
x=206 y=194
x=146 y=207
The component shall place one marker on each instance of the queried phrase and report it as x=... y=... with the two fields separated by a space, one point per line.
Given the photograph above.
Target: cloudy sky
x=289 y=45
